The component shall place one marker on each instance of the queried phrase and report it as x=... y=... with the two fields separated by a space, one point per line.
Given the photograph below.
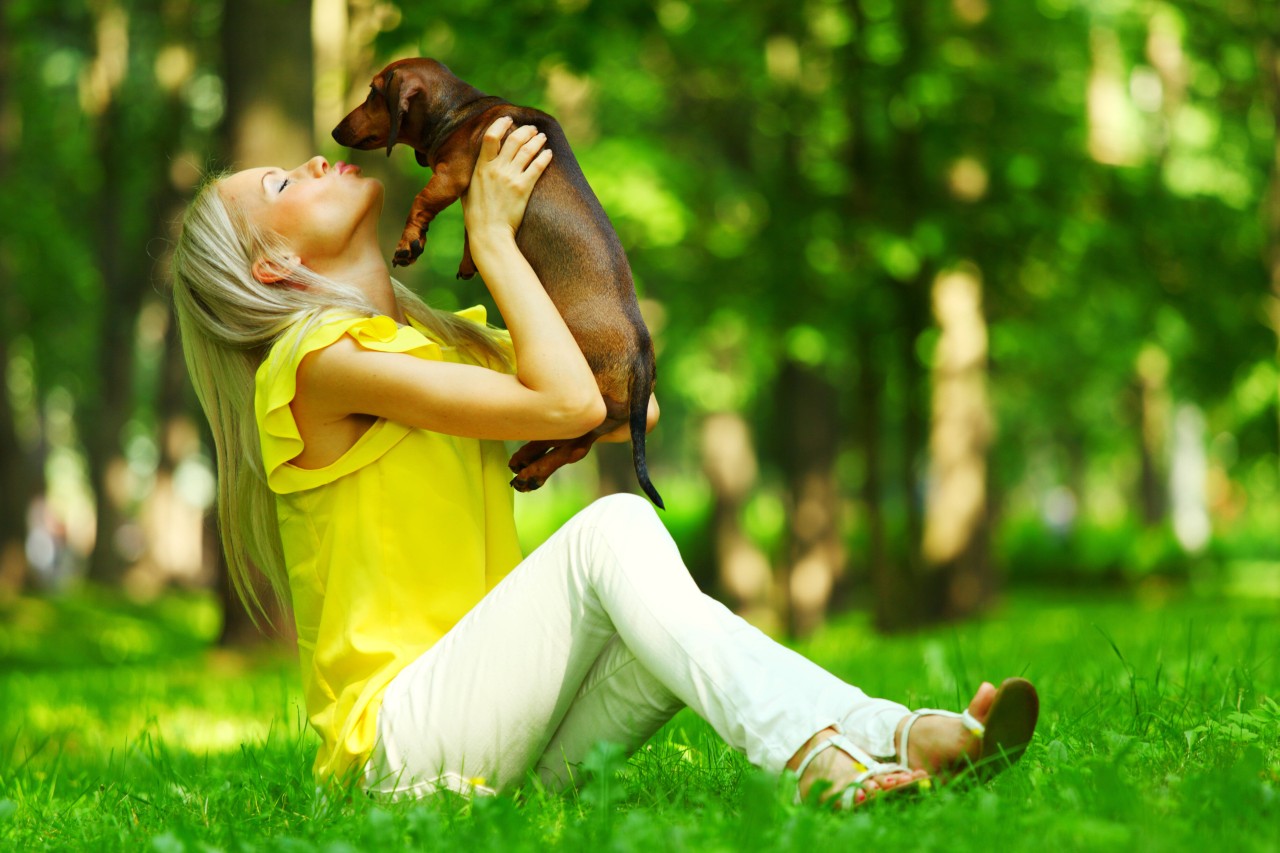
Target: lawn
x=121 y=729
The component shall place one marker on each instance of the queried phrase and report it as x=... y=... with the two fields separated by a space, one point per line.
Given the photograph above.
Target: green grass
x=120 y=729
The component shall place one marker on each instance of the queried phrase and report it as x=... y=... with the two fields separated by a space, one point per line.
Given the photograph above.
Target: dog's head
x=407 y=97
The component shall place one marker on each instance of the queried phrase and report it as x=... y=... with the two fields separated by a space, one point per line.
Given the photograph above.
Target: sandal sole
x=1009 y=727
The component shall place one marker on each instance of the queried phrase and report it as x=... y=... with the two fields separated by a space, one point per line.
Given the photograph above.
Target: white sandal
x=1011 y=724
x=847 y=798
x=969 y=721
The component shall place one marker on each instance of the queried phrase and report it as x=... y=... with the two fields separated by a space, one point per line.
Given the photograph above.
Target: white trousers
x=601 y=634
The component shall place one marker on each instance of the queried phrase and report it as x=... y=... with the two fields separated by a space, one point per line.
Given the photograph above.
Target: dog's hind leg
x=467 y=268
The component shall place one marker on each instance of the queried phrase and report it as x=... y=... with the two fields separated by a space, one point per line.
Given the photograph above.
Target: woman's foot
x=941 y=744
x=839 y=769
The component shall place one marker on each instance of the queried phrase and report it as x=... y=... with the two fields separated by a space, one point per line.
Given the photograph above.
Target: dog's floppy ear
x=399 y=92
x=391 y=89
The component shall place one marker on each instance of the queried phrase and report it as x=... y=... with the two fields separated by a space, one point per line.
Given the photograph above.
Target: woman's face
x=319 y=210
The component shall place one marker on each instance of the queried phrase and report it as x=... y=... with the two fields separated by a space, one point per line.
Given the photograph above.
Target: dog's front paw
x=407 y=252
x=528 y=454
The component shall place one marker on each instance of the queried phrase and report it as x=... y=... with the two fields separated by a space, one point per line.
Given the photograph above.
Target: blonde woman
x=361 y=472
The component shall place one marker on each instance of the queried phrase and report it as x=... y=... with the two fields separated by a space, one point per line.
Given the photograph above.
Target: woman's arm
x=553 y=393
x=547 y=357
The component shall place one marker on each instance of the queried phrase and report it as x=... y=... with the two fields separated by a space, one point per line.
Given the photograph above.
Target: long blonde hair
x=228 y=321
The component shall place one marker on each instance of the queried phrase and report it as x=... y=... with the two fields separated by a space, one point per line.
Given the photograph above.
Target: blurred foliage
x=788 y=178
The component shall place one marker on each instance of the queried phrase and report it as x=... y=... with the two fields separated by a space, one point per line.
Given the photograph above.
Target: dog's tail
x=642 y=371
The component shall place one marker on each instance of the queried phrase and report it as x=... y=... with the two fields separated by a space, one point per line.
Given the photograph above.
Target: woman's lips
x=343 y=168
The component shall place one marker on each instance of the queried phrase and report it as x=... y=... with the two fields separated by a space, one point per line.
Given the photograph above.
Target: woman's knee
x=625 y=512
x=622 y=525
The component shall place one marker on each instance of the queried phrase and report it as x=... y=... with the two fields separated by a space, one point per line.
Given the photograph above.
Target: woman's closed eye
x=283 y=183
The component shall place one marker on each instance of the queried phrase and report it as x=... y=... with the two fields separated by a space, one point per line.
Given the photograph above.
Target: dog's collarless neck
x=464 y=114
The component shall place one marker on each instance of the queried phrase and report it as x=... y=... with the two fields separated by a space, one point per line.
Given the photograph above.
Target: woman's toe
x=980 y=707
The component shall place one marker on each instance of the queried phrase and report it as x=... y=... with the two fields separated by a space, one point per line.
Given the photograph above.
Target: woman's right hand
x=503 y=179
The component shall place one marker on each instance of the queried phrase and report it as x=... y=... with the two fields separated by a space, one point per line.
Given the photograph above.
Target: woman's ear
x=270 y=272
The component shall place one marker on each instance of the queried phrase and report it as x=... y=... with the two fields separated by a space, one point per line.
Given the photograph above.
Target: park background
x=966 y=315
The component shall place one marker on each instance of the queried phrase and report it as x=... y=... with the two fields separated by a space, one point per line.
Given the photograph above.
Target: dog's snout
x=346 y=133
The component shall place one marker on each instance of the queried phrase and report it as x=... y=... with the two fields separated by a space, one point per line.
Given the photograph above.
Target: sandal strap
x=870 y=767
x=970 y=723
x=849 y=796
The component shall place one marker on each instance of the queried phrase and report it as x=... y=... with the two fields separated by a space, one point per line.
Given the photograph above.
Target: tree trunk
x=892 y=587
x=124 y=269
x=900 y=608
x=917 y=590
x=16 y=487
x=268 y=77
x=615 y=471
x=814 y=559
x=1269 y=58
x=912 y=433
x=957 y=575
x=1151 y=421
x=742 y=571
x=268 y=72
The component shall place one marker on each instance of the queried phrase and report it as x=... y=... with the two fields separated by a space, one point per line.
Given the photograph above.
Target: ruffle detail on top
x=276 y=384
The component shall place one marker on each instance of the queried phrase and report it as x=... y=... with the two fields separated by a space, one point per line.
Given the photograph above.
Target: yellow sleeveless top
x=387 y=547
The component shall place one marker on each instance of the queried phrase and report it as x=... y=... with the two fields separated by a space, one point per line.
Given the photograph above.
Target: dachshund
x=565 y=235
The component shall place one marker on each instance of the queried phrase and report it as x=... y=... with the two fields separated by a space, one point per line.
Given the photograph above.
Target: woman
x=361 y=471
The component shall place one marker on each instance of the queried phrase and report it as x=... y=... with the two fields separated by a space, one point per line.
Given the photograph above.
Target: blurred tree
x=1267 y=16
x=135 y=126
x=46 y=325
x=16 y=483
x=793 y=182
x=804 y=318
x=955 y=544
x=268 y=77
x=730 y=463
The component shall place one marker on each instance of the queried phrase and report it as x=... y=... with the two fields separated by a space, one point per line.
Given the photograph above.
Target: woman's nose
x=314 y=168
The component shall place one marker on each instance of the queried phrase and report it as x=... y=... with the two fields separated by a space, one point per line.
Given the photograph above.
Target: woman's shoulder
x=376 y=332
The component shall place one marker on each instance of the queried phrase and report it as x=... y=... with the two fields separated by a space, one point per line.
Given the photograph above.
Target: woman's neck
x=367 y=270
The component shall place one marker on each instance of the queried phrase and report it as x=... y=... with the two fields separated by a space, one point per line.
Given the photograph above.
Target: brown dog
x=565 y=235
